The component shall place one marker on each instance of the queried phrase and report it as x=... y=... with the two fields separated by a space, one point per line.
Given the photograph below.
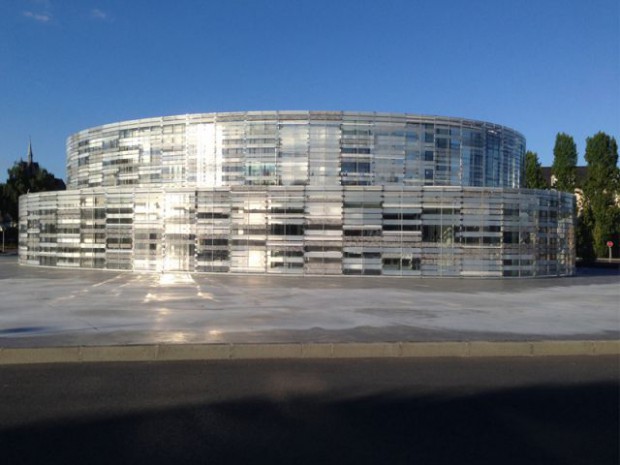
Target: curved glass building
x=300 y=192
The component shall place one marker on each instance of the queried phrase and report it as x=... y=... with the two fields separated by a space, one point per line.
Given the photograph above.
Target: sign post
x=610 y=244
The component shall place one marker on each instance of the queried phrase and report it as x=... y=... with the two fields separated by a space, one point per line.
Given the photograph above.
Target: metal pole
x=2 y=229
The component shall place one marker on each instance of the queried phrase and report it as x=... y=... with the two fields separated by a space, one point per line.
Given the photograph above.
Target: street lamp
x=2 y=231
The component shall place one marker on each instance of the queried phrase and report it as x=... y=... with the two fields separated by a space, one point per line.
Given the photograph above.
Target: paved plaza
x=53 y=307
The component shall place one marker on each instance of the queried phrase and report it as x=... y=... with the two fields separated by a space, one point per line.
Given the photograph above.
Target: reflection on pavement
x=94 y=307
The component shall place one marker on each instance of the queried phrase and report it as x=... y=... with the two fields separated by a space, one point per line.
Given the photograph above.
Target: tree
x=564 y=163
x=601 y=191
x=534 y=178
x=583 y=235
x=25 y=177
x=3 y=204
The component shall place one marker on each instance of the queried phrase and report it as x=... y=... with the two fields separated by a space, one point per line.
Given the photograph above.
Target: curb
x=171 y=352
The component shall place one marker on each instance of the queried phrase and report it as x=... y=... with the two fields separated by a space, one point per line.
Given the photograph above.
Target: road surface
x=539 y=410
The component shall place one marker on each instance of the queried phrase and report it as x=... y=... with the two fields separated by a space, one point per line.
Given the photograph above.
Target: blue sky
x=538 y=66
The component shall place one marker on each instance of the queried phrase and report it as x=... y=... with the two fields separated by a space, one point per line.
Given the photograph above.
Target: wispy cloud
x=40 y=11
x=40 y=17
x=101 y=15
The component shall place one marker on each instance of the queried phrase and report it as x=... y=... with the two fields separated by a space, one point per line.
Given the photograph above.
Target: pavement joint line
x=105 y=282
x=245 y=351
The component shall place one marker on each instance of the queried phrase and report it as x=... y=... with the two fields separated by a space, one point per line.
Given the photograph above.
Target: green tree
x=583 y=235
x=23 y=178
x=2 y=202
x=534 y=178
x=564 y=163
x=601 y=191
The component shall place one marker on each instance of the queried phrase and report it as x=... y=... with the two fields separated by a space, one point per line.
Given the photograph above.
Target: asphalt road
x=561 y=410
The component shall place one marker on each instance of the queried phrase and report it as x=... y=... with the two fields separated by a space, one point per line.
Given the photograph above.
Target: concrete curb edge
x=173 y=352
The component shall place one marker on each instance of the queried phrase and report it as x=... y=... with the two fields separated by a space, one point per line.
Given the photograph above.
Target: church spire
x=29 y=151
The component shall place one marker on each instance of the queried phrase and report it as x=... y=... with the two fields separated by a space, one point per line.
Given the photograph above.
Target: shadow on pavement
x=545 y=424
x=612 y=269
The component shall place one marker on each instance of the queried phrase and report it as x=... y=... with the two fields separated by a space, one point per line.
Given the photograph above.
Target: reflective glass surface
x=373 y=230
x=300 y=193
x=296 y=148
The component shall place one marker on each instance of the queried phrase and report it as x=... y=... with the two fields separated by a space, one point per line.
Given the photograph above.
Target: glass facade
x=295 y=149
x=300 y=193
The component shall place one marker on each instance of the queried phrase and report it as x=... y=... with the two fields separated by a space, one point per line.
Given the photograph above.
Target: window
x=286 y=229
x=441 y=143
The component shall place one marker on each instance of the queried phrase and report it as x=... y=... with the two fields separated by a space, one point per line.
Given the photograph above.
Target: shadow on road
x=545 y=424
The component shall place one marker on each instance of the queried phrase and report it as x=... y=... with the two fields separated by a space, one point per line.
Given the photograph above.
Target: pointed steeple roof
x=29 y=159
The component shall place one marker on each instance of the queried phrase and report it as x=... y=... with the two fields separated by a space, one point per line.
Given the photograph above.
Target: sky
x=537 y=66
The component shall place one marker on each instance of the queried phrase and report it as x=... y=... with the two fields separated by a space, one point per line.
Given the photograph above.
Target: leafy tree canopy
x=602 y=159
x=601 y=191
x=564 y=163
x=534 y=178
x=23 y=178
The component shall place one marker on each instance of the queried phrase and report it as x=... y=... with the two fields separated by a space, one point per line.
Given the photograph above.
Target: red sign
x=610 y=244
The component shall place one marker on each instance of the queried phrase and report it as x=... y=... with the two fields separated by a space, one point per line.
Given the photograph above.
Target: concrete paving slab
x=550 y=348
x=20 y=356
x=262 y=351
x=54 y=307
x=506 y=349
x=434 y=349
x=368 y=350
x=157 y=352
x=141 y=353
x=169 y=352
x=317 y=350
x=606 y=347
